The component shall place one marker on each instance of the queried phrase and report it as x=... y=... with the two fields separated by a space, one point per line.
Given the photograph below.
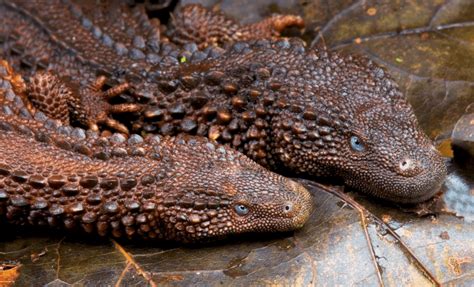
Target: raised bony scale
x=183 y=189
x=289 y=108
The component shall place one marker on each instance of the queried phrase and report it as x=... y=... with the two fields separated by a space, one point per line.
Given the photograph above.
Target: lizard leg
x=113 y=124
x=50 y=95
x=98 y=87
x=87 y=107
x=95 y=98
x=194 y=23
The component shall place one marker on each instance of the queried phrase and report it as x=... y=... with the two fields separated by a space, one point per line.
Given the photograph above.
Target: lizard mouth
x=399 y=188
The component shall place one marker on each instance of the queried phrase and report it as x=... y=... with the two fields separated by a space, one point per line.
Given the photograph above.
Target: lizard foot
x=88 y=107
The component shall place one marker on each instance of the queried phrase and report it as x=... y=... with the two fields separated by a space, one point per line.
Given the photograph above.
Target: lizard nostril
x=406 y=164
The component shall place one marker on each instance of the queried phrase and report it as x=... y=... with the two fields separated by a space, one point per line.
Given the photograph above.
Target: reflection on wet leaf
x=459 y=195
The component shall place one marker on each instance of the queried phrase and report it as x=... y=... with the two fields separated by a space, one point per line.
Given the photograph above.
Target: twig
x=364 y=213
x=132 y=262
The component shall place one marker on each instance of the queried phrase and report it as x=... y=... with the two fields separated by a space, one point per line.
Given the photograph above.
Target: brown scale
x=184 y=189
x=108 y=39
x=363 y=130
x=214 y=28
x=240 y=124
x=121 y=23
x=51 y=95
x=292 y=109
x=89 y=107
x=85 y=47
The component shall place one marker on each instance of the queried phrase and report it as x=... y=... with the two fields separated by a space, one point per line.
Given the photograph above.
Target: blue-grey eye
x=356 y=144
x=241 y=209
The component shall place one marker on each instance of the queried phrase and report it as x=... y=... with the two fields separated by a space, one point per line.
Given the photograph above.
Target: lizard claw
x=88 y=107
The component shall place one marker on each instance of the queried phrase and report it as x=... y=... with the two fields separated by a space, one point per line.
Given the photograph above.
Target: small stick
x=365 y=213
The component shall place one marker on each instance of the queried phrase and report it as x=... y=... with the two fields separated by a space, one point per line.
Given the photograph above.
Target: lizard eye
x=241 y=209
x=357 y=144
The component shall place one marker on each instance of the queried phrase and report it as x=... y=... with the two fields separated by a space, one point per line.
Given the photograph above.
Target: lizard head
x=226 y=193
x=391 y=156
x=355 y=123
x=271 y=203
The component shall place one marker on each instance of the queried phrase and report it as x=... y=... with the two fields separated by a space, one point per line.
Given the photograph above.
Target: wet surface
x=459 y=195
x=428 y=46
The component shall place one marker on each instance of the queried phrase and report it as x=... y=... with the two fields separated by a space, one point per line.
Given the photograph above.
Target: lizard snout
x=409 y=166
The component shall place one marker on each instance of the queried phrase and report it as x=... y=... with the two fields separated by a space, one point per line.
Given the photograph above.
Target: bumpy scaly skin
x=283 y=105
x=53 y=96
x=195 y=24
x=114 y=41
x=183 y=189
x=279 y=103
